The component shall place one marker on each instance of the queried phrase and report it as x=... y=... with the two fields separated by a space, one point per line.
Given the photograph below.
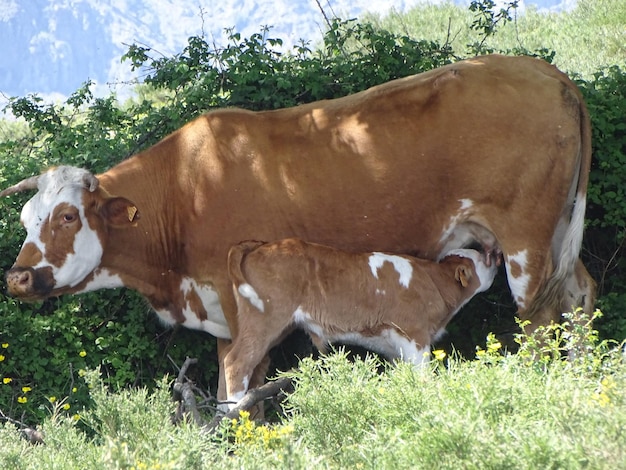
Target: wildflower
x=5 y=345
x=26 y=389
x=439 y=354
x=22 y=399
x=83 y=353
x=2 y=358
x=82 y=372
x=52 y=399
x=480 y=353
x=7 y=380
x=74 y=390
x=66 y=406
x=494 y=346
x=76 y=417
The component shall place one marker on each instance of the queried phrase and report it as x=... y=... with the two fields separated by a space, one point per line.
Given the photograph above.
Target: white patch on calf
x=401 y=265
x=519 y=284
x=485 y=273
x=235 y=397
x=247 y=291
x=390 y=343
x=304 y=320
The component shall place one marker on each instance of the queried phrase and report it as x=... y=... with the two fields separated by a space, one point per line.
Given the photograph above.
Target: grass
x=587 y=39
x=535 y=409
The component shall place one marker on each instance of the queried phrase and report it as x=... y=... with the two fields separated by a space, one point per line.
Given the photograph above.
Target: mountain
x=50 y=47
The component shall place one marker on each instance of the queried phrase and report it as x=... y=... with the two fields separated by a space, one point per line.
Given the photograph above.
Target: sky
x=50 y=47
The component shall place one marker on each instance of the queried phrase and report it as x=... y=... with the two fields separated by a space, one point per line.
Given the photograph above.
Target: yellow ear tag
x=132 y=211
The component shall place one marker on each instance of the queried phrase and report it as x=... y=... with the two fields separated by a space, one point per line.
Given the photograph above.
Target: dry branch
x=250 y=399
x=185 y=391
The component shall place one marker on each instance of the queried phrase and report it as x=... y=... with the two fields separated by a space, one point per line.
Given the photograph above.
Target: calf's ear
x=119 y=212
x=463 y=274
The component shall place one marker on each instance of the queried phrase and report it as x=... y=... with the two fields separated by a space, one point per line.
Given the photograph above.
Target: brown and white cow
x=493 y=149
x=395 y=305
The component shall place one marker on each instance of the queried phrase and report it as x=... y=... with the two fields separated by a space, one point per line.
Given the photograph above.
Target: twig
x=32 y=435
x=250 y=399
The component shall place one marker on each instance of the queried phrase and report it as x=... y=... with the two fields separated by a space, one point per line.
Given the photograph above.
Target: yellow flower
x=26 y=389
x=439 y=354
x=76 y=417
x=22 y=399
x=494 y=346
x=82 y=353
x=480 y=353
x=5 y=345
x=82 y=372
x=74 y=390
x=2 y=358
x=66 y=406
x=52 y=399
x=7 y=380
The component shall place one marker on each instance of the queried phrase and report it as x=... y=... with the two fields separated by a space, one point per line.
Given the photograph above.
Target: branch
x=250 y=399
x=32 y=435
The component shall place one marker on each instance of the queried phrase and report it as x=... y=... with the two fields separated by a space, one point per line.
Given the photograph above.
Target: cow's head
x=66 y=224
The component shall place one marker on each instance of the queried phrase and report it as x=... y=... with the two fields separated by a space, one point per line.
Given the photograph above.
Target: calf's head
x=475 y=270
x=66 y=226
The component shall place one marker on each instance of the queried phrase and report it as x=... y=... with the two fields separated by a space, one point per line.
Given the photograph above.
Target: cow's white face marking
x=401 y=265
x=517 y=276
x=247 y=291
x=215 y=323
x=62 y=187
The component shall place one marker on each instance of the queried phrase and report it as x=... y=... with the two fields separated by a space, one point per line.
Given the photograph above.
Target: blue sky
x=50 y=47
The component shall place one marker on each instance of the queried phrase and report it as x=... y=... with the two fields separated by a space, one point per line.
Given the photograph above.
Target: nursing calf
x=394 y=305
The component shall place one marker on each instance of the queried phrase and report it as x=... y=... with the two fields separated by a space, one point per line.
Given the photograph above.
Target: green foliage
x=539 y=408
x=587 y=39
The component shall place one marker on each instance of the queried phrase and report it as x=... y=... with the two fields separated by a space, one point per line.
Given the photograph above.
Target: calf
x=394 y=305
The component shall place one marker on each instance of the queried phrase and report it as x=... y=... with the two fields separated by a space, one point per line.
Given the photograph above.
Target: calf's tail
x=236 y=254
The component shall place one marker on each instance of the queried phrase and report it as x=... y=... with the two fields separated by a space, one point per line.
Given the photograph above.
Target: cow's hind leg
x=580 y=291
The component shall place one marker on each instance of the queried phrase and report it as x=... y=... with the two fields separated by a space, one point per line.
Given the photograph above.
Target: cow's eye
x=67 y=218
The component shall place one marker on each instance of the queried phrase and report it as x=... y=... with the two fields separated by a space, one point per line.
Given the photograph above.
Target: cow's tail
x=236 y=254
x=567 y=244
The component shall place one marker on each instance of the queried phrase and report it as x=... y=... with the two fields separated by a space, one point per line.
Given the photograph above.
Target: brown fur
x=341 y=295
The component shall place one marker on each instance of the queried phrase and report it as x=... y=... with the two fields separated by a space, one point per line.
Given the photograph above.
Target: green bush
x=535 y=409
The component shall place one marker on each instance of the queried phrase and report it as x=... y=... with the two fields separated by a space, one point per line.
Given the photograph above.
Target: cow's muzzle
x=30 y=284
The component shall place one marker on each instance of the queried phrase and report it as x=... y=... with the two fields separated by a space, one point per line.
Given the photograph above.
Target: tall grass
x=536 y=409
x=586 y=39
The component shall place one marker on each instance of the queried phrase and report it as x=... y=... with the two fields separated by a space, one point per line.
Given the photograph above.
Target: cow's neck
x=150 y=256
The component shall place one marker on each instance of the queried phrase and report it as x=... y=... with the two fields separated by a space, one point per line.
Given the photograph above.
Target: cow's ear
x=119 y=212
x=463 y=275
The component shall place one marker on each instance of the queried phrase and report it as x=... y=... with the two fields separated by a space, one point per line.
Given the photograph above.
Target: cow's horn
x=24 y=185
x=91 y=182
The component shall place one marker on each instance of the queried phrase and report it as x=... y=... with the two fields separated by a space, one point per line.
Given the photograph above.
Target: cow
x=396 y=305
x=492 y=150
